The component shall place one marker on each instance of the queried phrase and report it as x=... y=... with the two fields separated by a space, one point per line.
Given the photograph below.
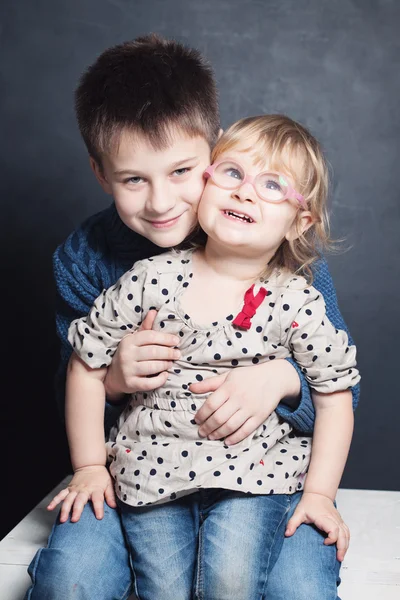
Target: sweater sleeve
x=303 y=417
x=80 y=276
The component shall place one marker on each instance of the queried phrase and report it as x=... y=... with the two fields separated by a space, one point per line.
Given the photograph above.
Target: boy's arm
x=302 y=418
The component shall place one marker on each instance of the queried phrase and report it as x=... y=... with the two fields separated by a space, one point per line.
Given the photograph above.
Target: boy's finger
x=151 y=367
x=156 y=338
x=153 y=352
x=242 y=432
x=213 y=403
x=231 y=418
x=211 y=384
x=146 y=384
x=148 y=321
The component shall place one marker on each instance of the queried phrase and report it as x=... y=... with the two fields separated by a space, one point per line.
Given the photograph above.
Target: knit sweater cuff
x=303 y=417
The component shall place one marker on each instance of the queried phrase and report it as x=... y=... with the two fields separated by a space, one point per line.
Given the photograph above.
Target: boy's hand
x=88 y=483
x=139 y=354
x=319 y=510
x=243 y=399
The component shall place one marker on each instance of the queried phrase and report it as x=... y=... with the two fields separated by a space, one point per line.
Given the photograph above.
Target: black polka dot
x=217 y=356
x=304 y=336
x=164 y=292
x=199 y=378
x=217 y=473
x=259 y=329
x=255 y=360
x=137 y=472
x=130 y=296
x=234 y=362
x=239 y=480
x=185 y=453
x=168 y=424
x=161 y=491
x=328 y=349
x=192 y=475
x=286 y=307
x=308 y=312
x=271 y=356
x=314 y=358
x=209 y=458
x=259 y=482
x=238 y=334
x=160 y=460
x=122 y=470
x=153 y=472
x=310 y=347
x=244 y=350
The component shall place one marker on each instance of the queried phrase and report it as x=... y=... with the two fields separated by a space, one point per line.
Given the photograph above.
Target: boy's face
x=156 y=192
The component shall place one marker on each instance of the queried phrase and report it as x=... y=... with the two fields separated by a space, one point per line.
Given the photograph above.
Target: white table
x=371 y=569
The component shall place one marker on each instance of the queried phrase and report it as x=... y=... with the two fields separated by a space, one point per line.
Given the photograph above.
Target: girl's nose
x=245 y=193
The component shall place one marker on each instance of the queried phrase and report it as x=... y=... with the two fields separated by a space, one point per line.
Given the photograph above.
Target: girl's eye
x=235 y=173
x=182 y=171
x=270 y=184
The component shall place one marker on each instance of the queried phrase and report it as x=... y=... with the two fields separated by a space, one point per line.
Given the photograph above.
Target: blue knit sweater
x=100 y=251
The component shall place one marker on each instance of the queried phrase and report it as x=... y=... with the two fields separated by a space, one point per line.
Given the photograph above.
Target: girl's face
x=242 y=221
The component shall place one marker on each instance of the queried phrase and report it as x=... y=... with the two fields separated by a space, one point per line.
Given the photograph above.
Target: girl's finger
x=342 y=544
x=57 y=499
x=98 y=504
x=79 y=503
x=109 y=496
x=66 y=506
x=145 y=384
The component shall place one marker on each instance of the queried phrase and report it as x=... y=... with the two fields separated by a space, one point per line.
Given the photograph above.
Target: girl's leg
x=163 y=540
x=306 y=569
x=84 y=560
x=239 y=541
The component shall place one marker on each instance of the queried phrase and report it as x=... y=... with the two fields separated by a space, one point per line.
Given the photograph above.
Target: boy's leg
x=84 y=560
x=163 y=541
x=239 y=541
x=306 y=569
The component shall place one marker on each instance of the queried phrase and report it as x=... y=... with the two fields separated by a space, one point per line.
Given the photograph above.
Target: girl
x=243 y=297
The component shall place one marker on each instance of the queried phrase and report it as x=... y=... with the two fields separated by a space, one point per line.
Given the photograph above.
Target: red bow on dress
x=251 y=303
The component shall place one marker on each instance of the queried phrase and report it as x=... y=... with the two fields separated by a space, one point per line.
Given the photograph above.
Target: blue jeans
x=90 y=559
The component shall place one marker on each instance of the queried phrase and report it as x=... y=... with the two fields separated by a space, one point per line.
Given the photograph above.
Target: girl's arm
x=84 y=416
x=331 y=443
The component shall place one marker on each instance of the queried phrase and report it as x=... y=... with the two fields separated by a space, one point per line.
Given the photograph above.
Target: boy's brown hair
x=147 y=86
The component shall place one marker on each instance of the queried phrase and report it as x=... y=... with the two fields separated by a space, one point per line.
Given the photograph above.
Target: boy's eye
x=181 y=171
x=134 y=180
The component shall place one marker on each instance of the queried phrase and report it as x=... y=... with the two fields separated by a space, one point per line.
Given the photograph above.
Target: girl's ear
x=98 y=171
x=300 y=225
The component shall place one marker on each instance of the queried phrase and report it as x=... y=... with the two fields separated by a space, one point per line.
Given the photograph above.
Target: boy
x=147 y=111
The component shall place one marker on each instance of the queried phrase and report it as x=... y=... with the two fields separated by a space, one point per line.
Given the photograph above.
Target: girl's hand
x=319 y=510
x=88 y=483
x=139 y=354
x=243 y=399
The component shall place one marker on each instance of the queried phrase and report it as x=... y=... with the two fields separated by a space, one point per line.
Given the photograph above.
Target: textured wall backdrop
x=331 y=65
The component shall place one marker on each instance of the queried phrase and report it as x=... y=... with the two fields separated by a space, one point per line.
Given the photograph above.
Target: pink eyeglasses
x=271 y=187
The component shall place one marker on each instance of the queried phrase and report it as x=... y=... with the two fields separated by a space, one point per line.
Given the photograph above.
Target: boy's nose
x=160 y=201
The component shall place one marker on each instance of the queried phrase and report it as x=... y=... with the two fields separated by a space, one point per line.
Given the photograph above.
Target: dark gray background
x=334 y=66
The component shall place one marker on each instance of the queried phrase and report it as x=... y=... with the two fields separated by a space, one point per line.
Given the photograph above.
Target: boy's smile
x=156 y=191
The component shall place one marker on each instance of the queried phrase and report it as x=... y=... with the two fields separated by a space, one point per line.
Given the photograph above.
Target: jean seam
x=199 y=591
x=284 y=516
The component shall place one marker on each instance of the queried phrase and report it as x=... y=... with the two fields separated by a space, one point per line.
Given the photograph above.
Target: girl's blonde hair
x=289 y=147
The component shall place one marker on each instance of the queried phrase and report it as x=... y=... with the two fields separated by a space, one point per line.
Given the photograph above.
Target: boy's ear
x=97 y=170
x=303 y=222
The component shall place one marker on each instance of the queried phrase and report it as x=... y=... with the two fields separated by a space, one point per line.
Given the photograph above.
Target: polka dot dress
x=156 y=453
